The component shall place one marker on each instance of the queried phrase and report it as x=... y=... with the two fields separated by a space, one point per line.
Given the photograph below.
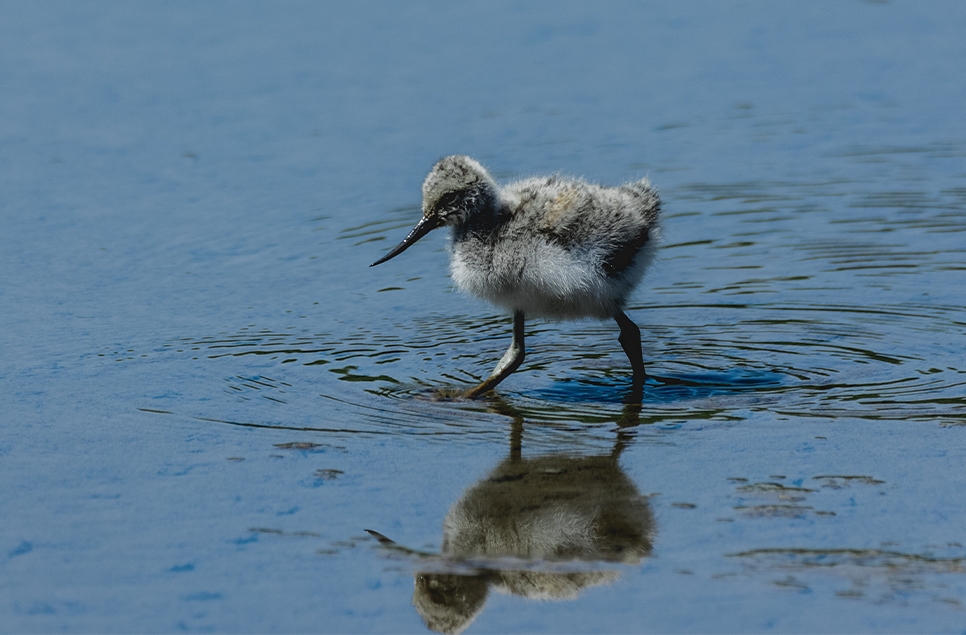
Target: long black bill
x=423 y=227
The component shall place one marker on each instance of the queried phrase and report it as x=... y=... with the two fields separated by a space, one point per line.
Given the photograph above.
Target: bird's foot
x=447 y=394
x=478 y=391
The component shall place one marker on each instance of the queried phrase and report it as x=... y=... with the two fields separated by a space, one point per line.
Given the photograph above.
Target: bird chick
x=548 y=247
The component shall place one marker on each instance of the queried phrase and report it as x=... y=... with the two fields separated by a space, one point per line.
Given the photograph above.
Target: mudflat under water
x=215 y=417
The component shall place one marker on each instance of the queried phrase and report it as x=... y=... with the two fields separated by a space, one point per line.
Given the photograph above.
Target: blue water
x=208 y=397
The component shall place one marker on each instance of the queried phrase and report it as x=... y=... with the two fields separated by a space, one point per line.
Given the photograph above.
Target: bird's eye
x=447 y=200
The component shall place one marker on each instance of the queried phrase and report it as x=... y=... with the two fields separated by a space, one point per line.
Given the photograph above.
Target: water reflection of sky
x=208 y=397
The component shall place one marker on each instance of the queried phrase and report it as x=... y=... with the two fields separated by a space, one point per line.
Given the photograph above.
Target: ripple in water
x=812 y=361
x=819 y=299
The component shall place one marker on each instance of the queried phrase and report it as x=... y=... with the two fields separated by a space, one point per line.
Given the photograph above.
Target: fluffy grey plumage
x=543 y=247
x=550 y=247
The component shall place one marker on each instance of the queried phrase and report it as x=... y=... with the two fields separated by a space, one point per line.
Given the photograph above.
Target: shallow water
x=216 y=417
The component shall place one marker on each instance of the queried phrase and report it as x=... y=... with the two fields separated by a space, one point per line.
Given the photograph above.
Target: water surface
x=216 y=417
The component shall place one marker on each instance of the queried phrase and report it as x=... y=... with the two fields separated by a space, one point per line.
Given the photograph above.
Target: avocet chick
x=549 y=247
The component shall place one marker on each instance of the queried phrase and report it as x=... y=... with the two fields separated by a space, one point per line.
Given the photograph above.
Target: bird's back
x=579 y=215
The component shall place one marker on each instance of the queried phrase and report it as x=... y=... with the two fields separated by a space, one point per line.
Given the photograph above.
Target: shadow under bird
x=550 y=247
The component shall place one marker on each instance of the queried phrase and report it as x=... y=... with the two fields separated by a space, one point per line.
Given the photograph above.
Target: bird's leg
x=510 y=362
x=630 y=340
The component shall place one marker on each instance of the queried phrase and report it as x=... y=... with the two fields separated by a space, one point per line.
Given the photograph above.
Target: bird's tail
x=647 y=198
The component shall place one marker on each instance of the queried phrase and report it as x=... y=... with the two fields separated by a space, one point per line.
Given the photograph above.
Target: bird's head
x=455 y=190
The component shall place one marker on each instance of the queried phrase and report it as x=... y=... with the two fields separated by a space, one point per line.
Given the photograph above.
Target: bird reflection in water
x=536 y=527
